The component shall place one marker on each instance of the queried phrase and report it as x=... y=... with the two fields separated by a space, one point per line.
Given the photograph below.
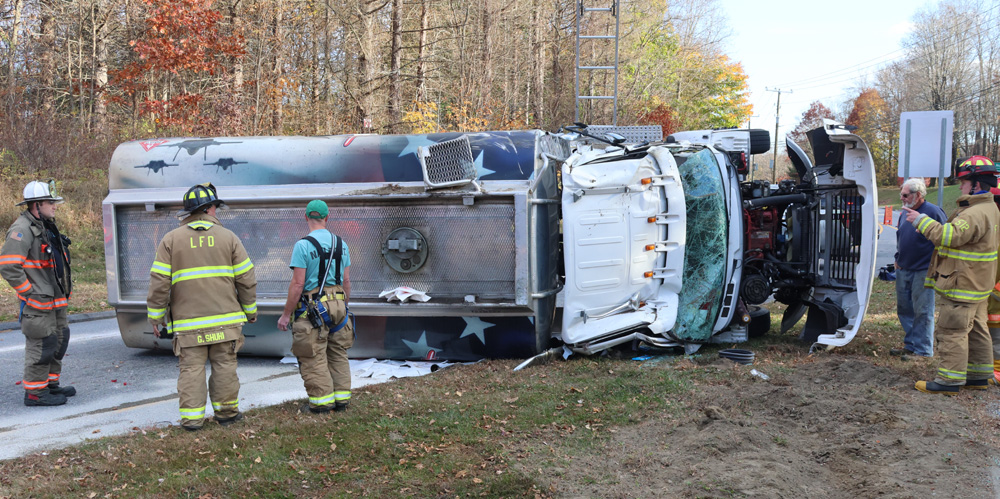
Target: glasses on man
x=905 y=195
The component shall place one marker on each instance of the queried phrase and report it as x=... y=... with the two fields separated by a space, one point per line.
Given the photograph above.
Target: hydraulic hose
x=785 y=199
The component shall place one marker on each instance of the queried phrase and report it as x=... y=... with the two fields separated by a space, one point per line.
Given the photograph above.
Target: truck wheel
x=760 y=141
x=760 y=322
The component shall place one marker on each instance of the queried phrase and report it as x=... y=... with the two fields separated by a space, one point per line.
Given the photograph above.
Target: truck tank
x=487 y=256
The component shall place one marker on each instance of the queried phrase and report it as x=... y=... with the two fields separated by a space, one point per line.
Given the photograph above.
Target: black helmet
x=199 y=197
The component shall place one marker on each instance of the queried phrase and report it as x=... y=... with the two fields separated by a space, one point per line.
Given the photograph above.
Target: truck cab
x=673 y=245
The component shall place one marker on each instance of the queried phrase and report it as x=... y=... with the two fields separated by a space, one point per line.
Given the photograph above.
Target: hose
x=738 y=356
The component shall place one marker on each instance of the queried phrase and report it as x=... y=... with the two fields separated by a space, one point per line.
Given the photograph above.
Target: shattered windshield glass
x=705 y=245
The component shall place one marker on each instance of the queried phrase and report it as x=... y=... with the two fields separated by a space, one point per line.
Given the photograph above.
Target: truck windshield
x=705 y=247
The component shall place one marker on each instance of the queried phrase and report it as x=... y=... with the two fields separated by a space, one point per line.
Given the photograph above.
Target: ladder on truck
x=582 y=11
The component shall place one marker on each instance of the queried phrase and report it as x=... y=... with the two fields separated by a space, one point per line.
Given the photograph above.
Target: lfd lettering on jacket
x=202 y=242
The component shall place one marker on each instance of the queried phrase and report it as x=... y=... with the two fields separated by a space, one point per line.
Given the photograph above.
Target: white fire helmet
x=40 y=191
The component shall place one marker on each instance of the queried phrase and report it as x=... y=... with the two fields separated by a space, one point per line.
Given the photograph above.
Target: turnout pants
x=963 y=342
x=995 y=335
x=322 y=356
x=223 y=383
x=46 y=336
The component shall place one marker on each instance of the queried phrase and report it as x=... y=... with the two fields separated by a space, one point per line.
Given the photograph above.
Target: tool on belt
x=312 y=305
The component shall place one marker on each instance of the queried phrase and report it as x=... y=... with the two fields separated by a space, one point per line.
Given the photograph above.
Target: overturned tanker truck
x=592 y=236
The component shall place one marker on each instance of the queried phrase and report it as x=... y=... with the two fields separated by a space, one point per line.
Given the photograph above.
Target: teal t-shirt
x=304 y=256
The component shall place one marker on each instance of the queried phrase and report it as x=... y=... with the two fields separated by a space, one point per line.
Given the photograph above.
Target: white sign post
x=925 y=141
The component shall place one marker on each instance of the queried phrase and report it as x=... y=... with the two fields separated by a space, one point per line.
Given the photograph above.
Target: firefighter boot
x=43 y=398
x=932 y=387
x=229 y=421
x=976 y=384
x=66 y=391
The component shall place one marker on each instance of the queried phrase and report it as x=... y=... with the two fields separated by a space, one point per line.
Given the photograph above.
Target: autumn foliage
x=661 y=114
x=811 y=118
x=182 y=44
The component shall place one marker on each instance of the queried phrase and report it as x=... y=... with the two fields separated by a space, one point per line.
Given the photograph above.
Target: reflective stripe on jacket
x=203 y=274
x=964 y=265
x=28 y=267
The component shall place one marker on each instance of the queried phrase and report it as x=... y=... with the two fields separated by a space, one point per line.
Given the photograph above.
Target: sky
x=812 y=50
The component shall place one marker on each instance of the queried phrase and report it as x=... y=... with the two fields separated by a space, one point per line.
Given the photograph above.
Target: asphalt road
x=886 y=241
x=119 y=389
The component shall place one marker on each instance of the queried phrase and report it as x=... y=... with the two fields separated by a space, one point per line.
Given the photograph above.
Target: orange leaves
x=661 y=114
x=182 y=42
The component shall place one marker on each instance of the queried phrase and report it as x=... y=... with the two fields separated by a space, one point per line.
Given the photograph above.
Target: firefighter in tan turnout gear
x=35 y=261
x=962 y=272
x=321 y=329
x=203 y=287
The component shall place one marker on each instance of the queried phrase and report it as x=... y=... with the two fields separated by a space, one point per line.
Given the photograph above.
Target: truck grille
x=839 y=238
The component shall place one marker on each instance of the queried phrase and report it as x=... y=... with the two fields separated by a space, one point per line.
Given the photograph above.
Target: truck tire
x=760 y=322
x=760 y=141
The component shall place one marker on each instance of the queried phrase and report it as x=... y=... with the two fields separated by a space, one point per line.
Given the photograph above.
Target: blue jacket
x=913 y=250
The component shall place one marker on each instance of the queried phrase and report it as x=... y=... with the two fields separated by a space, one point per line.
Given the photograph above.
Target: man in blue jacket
x=914 y=302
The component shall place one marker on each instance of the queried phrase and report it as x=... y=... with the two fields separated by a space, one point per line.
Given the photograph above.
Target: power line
x=968 y=34
x=844 y=70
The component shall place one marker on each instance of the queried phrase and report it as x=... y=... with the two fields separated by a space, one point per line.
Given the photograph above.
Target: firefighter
x=203 y=288
x=963 y=272
x=35 y=261
x=319 y=341
x=993 y=310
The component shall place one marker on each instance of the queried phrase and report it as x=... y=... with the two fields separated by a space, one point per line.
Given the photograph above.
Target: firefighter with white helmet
x=203 y=288
x=963 y=272
x=35 y=261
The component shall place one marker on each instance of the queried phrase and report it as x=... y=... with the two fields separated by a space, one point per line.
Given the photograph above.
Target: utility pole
x=777 y=114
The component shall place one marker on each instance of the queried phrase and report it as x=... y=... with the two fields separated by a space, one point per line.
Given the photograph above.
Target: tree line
x=88 y=72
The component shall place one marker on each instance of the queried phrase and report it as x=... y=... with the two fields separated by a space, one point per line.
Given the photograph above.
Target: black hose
x=776 y=200
x=738 y=356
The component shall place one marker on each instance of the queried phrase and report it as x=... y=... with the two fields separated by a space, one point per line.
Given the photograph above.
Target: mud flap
x=792 y=314
x=824 y=318
x=61 y=351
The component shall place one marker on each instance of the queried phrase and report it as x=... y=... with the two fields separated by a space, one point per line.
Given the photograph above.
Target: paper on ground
x=384 y=370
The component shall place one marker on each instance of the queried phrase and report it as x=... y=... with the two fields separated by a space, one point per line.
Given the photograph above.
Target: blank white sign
x=925 y=139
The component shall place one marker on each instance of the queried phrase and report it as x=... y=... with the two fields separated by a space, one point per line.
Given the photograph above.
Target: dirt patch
x=834 y=427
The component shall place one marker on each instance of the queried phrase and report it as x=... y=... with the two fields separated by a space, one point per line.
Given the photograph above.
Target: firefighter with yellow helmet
x=963 y=272
x=35 y=261
x=203 y=288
